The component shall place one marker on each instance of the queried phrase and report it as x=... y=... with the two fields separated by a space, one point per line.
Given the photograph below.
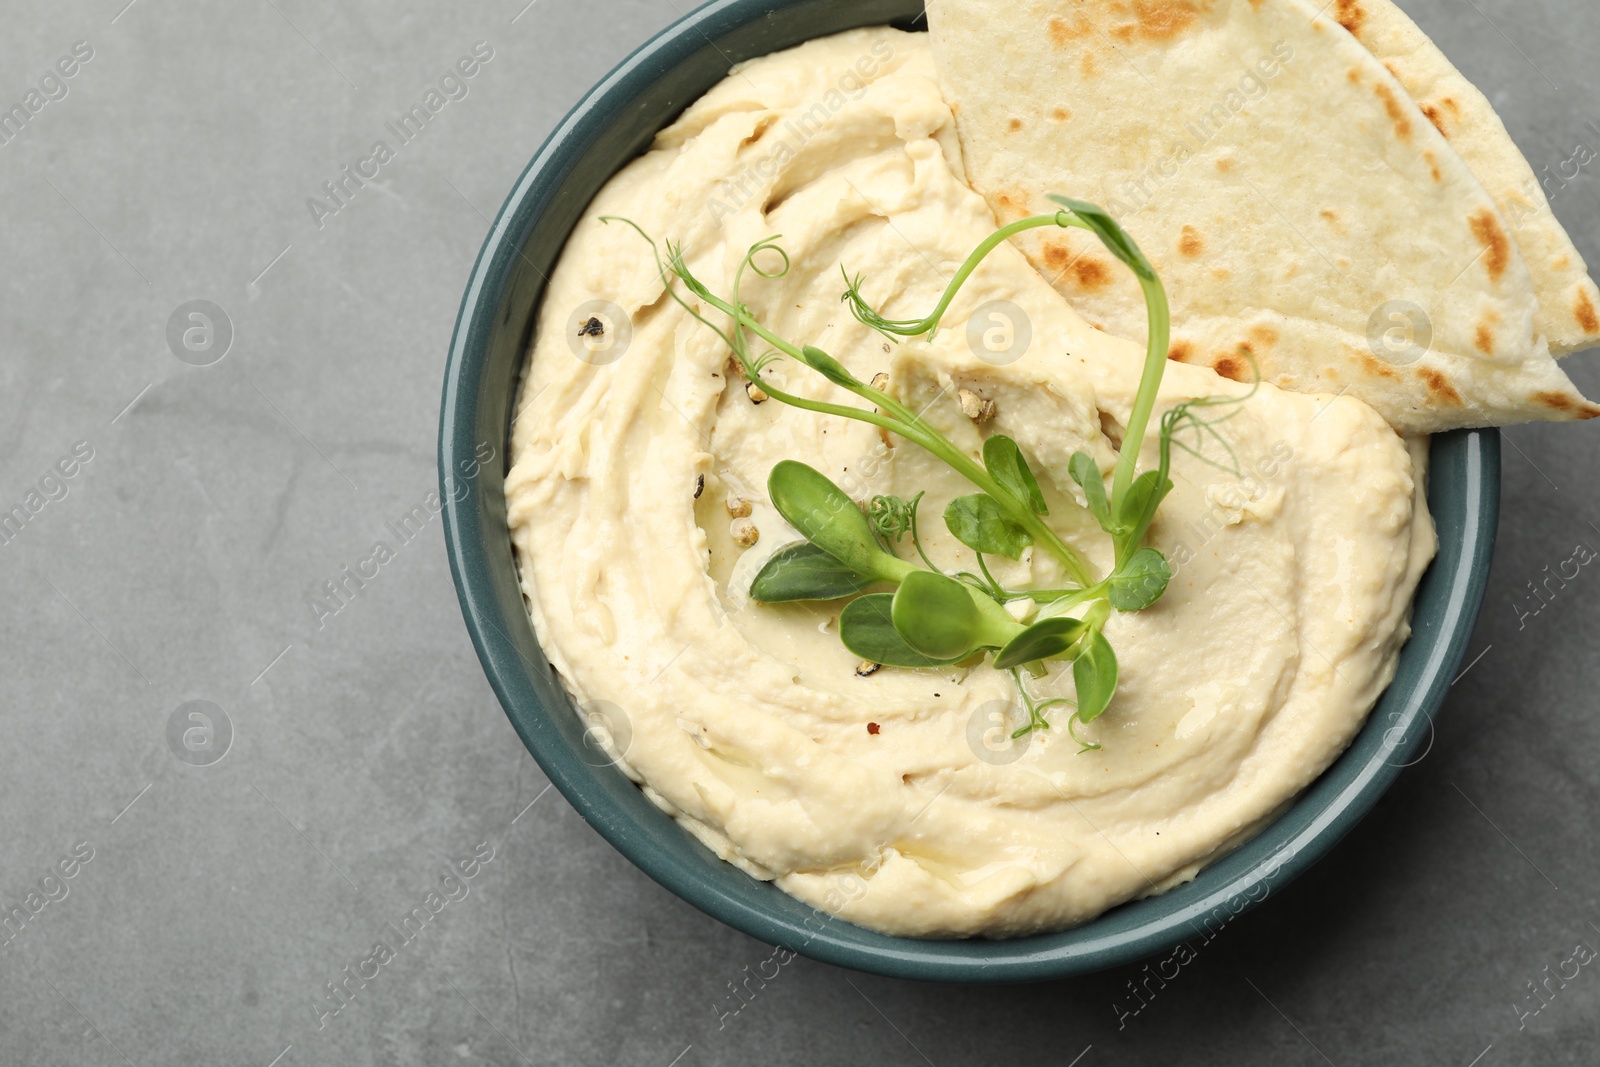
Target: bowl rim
x=1303 y=832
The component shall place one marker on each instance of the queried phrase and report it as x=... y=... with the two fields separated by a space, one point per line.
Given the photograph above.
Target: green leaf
x=1095 y=674
x=1139 y=582
x=978 y=522
x=1086 y=472
x=829 y=519
x=1004 y=461
x=867 y=629
x=828 y=367
x=802 y=571
x=1139 y=507
x=1111 y=234
x=936 y=615
x=1045 y=639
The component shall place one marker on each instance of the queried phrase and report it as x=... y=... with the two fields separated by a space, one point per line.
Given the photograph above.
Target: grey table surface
x=364 y=752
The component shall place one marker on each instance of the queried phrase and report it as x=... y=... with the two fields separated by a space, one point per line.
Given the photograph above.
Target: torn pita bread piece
x=1569 y=302
x=1310 y=223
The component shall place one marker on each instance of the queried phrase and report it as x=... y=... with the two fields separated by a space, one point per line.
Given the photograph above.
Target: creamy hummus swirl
x=894 y=799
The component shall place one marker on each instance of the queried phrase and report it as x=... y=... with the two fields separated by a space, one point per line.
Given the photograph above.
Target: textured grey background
x=368 y=753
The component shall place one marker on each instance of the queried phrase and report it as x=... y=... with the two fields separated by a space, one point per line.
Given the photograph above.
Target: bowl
x=613 y=123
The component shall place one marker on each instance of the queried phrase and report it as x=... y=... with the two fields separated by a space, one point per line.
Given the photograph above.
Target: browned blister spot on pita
x=1376 y=367
x=1232 y=368
x=1160 y=20
x=1486 y=228
x=1061 y=114
x=1350 y=16
x=1089 y=274
x=1064 y=31
x=1086 y=64
x=1014 y=125
x=1484 y=338
x=1555 y=401
x=1010 y=206
x=1239 y=367
x=1439 y=386
x=1181 y=352
x=1221 y=274
x=1584 y=311
x=1241 y=364
x=1563 y=263
x=1433 y=165
x=1397 y=115
x=1354 y=75
x=1436 y=118
x=1057 y=256
x=1575 y=406
x=1225 y=164
x=1189 y=242
x=1263 y=337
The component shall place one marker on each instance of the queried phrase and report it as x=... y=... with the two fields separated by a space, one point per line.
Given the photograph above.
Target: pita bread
x=1568 y=300
x=1304 y=214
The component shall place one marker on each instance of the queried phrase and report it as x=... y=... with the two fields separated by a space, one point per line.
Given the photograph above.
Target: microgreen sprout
x=850 y=551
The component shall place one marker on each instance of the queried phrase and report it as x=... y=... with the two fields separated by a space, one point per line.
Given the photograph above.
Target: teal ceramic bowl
x=611 y=125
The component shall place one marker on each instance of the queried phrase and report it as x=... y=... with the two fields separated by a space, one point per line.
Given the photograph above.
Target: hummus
x=894 y=798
